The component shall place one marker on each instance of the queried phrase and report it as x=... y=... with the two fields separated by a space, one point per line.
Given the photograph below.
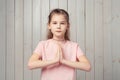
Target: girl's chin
x=59 y=36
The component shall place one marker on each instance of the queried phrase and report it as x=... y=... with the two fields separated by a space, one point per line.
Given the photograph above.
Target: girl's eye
x=54 y=23
x=62 y=23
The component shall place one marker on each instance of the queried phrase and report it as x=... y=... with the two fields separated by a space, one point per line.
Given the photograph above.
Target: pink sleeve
x=79 y=52
x=39 y=48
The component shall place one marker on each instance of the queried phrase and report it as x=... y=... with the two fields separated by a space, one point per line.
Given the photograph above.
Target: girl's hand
x=57 y=57
x=61 y=56
x=62 y=59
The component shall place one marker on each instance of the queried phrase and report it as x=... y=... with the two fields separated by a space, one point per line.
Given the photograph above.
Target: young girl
x=58 y=56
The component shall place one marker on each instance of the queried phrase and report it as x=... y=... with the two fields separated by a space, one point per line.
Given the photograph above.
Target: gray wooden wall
x=95 y=25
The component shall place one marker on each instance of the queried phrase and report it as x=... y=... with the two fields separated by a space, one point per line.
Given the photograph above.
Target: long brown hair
x=62 y=12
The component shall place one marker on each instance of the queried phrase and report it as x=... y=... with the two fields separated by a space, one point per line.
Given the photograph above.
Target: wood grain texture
x=94 y=25
x=2 y=39
x=99 y=47
x=115 y=39
x=10 y=34
x=107 y=19
x=19 y=40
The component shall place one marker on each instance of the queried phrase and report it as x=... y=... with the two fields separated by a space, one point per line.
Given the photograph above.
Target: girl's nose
x=58 y=26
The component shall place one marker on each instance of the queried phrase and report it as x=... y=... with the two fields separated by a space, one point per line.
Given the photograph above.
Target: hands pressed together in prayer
x=59 y=57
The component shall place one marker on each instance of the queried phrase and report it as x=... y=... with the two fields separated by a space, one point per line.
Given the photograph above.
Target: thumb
x=61 y=54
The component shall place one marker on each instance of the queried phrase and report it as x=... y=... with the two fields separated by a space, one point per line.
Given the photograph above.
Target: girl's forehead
x=58 y=16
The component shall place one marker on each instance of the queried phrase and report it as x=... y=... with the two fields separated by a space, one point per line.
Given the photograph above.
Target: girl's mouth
x=58 y=31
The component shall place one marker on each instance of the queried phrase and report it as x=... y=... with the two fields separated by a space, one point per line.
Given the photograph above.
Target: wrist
x=63 y=61
x=55 y=61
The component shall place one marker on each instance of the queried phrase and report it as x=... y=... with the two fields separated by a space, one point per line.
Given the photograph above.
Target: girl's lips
x=58 y=31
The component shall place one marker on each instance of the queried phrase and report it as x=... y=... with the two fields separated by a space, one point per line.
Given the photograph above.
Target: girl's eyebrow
x=63 y=21
x=60 y=21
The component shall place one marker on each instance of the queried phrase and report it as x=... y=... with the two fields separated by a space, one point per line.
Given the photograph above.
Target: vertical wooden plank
x=36 y=31
x=99 y=40
x=2 y=39
x=19 y=40
x=81 y=32
x=27 y=37
x=10 y=41
x=44 y=18
x=73 y=18
x=63 y=4
x=107 y=40
x=90 y=52
x=54 y=4
x=116 y=38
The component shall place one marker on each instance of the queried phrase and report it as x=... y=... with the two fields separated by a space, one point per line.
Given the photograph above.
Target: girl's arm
x=82 y=63
x=36 y=62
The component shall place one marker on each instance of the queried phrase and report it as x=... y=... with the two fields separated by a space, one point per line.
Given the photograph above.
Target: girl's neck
x=58 y=38
x=61 y=41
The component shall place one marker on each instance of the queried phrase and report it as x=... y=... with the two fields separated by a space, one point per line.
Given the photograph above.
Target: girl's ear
x=68 y=26
x=48 y=26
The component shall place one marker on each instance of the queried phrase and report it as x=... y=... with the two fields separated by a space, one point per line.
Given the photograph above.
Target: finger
x=57 y=52
x=60 y=53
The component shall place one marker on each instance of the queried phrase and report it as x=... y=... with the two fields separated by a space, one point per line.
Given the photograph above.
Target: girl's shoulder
x=43 y=41
x=72 y=43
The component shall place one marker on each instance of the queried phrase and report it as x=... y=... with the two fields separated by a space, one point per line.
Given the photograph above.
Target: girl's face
x=58 y=25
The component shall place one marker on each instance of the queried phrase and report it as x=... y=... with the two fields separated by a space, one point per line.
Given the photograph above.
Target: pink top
x=48 y=49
